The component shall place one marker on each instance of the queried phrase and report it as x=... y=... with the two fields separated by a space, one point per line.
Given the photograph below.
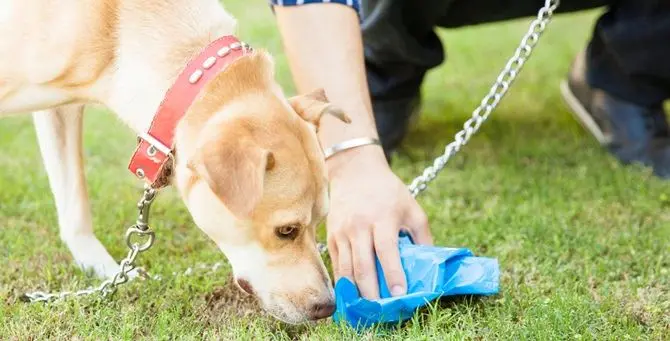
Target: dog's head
x=253 y=176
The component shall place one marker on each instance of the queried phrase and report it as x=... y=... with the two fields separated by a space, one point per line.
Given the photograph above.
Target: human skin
x=369 y=204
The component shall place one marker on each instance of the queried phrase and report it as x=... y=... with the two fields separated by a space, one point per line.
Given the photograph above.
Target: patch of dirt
x=229 y=299
x=649 y=306
x=593 y=289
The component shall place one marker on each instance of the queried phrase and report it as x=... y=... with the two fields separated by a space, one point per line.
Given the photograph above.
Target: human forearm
x=324 y=48
x=369 y=203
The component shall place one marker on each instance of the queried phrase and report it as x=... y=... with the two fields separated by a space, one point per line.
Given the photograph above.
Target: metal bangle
x=349 y=144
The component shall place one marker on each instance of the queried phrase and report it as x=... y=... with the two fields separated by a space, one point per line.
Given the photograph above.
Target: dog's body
x=248 y=164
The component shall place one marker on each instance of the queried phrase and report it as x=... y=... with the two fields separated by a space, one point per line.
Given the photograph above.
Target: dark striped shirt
x=355 y=4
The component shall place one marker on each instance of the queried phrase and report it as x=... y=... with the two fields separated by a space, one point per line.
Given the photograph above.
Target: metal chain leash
x=140 y=230
x=419 y=184
x=491 y=100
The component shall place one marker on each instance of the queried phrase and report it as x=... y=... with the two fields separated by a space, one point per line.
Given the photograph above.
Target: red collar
x=153 y=158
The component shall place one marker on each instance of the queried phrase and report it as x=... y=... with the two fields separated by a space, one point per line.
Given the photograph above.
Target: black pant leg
x=401 y=45
x=629 y=54
x=473 y=12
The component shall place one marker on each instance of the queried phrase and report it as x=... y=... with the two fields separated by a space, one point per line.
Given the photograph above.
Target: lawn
x=582 y=241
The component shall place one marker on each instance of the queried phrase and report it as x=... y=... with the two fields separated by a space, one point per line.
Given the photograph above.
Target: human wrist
x=350 y=144
x=358 y=160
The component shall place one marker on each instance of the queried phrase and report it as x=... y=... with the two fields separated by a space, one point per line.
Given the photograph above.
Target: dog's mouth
x=245 y=286
x=289 y=316
x=277 y=306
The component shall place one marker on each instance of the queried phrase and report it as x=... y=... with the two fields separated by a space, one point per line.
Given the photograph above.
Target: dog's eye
x=288 y=231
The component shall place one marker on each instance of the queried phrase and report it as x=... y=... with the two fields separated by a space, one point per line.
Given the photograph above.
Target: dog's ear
x=234 y=169
x=312 y=106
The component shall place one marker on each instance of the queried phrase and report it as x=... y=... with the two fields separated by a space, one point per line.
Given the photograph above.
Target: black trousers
x=628 y=55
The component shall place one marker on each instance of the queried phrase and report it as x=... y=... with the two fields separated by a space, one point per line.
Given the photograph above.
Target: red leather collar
x=152 y=160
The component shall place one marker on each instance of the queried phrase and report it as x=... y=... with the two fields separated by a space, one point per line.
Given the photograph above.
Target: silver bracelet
x=348 y=144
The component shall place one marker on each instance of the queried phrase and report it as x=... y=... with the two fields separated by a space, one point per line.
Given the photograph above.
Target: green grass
x=582 y=241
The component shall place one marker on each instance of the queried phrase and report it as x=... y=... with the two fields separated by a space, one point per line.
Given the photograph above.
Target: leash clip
x=144 y=206
x=155 y=145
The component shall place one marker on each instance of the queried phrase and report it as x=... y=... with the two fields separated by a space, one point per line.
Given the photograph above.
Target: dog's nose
x=322 y=310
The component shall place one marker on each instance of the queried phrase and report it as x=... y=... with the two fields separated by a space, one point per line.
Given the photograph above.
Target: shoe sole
x=582 y=115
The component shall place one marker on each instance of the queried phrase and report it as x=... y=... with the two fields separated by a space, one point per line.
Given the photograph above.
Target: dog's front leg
x=59 y=132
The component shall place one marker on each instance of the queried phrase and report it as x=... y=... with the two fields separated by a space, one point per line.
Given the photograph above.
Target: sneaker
x=632 y=133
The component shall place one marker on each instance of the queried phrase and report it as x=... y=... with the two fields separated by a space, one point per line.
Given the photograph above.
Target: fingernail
x=397 y=290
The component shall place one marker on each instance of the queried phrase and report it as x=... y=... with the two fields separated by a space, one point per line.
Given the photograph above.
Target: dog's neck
x=150 y=55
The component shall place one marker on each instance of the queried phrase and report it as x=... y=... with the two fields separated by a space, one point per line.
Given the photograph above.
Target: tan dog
x=248 y=166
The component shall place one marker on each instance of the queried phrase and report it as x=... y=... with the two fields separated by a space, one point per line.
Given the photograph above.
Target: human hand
x=369 y=205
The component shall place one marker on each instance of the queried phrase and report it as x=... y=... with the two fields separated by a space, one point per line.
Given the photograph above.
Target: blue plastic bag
x=431 y=272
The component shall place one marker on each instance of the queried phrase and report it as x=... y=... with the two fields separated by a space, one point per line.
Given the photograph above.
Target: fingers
x=333 y=253
x=417 y=223
x=365 y=271
x=344 y=266
x=386 y=245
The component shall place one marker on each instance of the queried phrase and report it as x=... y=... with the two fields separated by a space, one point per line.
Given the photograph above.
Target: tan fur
x=95 y=51
x=234 y=167
x=248 y=159
x=312 y=106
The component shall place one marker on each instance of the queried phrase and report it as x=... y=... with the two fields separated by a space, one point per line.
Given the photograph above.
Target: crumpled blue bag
x=431 y=272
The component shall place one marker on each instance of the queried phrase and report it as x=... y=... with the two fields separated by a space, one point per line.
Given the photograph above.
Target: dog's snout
x=245 y=286
x=322 y=310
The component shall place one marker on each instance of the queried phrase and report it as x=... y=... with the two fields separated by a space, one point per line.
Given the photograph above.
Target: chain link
x=141 y=228
x=141 y=231
x=492 y=99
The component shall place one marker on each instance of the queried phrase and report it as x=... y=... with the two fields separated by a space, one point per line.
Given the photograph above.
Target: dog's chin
x=289 y=316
